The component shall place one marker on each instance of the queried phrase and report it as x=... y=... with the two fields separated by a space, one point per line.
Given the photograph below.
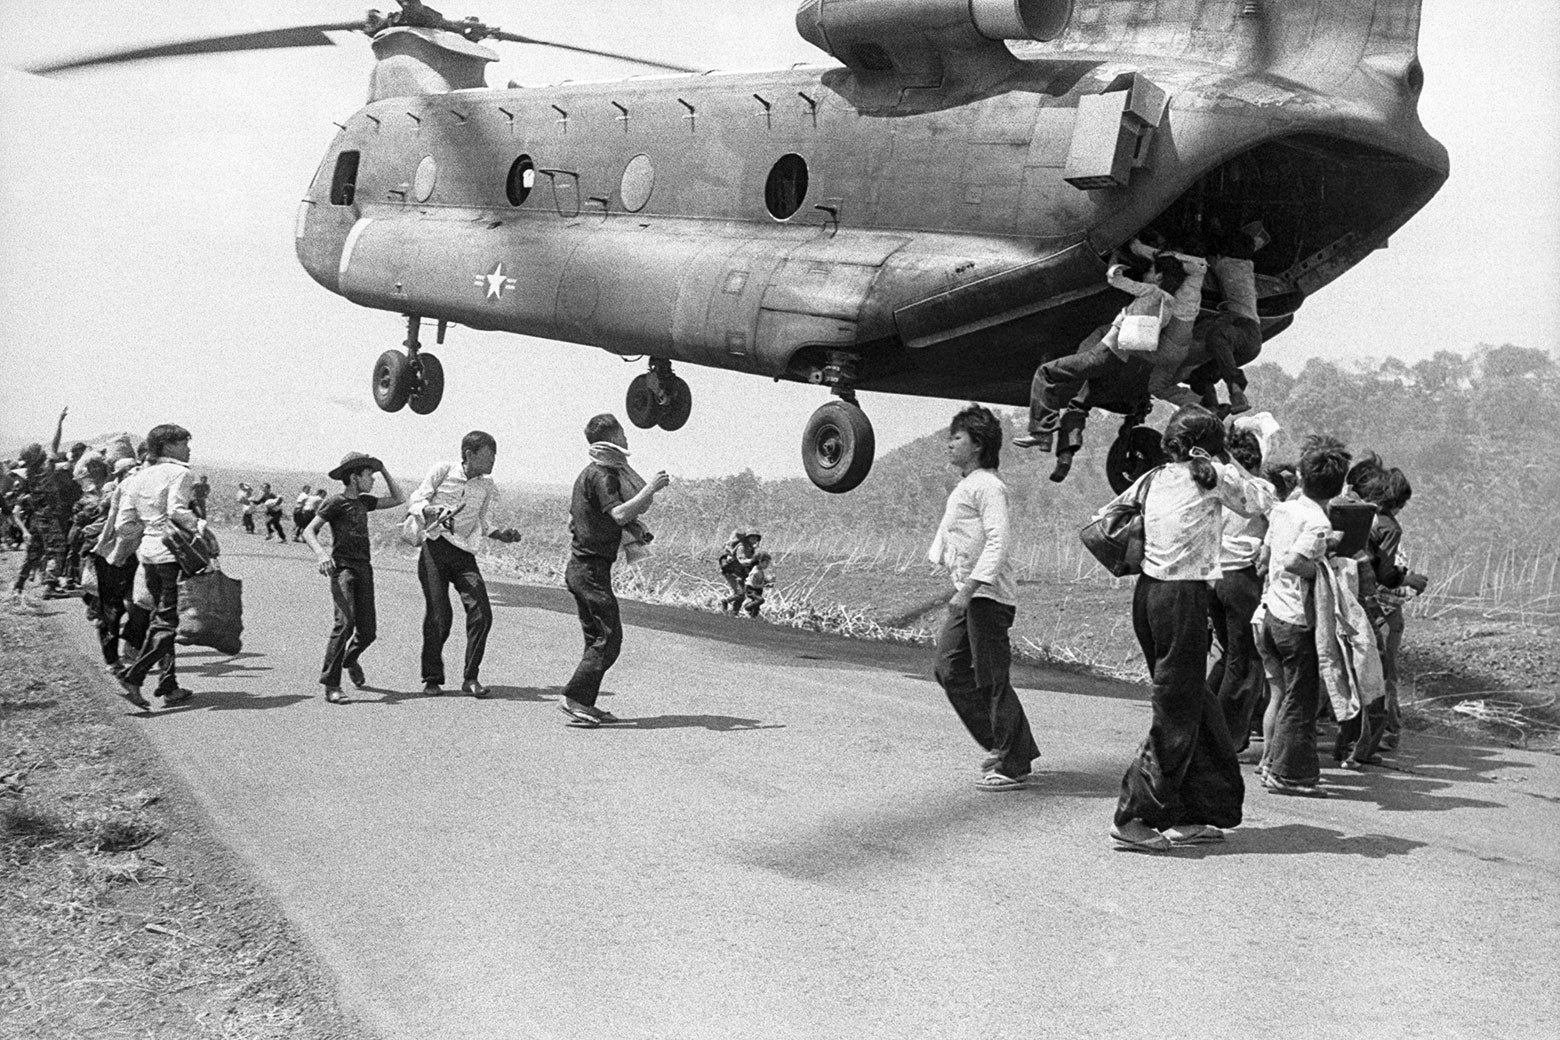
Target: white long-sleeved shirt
x=447 y=486
x=157 y=496
x=1241 y=541
x=974 y=540
x=1183 y=522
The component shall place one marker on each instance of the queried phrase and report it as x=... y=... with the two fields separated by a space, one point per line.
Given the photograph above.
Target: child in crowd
x=246 y=506
x=1394 y=584
x=1297 y=540
x=348 y=567
x=758 y=579
x=1184 y=786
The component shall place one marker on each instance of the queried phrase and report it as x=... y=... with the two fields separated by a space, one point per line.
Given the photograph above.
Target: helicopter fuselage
x=767 y=222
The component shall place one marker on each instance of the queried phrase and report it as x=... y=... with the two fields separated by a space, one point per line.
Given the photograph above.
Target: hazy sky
x=147 y=271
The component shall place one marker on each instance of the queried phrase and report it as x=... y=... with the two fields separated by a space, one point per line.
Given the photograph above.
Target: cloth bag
x=1115 y=537
x=211 y=611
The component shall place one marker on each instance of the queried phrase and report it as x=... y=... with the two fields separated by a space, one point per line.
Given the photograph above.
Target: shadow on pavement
x=1301 y=839
x=714 y=723
x=1413 y=779
x=209 y=664
x=233 y=700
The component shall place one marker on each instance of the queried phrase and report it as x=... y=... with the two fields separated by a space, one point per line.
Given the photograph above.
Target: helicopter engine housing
x=888 y=36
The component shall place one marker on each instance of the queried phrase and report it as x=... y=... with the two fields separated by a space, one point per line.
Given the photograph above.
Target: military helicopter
x=930 y=215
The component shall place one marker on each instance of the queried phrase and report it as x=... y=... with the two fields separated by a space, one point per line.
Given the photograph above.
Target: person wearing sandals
x=1299 y=533
x=974 y=657
x=348 y=566
x=1184 y=785
x=607 y=501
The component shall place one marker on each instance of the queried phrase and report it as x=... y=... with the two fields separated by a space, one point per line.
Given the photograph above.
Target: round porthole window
x=427 y=177
x=638 y=181
x=786 y=187
x=522 y=178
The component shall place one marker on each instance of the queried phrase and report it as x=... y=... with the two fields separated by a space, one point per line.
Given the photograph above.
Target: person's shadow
x=713 y=723
x=1301 y=839
x=231 y=700
x=209 y=664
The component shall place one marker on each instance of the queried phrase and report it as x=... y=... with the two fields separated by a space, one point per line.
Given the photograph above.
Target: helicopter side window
x=522 y=178
x=343 y=183
x=787 y=186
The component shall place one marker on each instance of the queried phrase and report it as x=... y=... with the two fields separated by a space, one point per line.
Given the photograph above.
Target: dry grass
x=121 y=918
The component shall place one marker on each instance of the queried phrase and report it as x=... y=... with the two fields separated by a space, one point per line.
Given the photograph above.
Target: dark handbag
x=192 y=552
x=1115 y=537
x=211 y=612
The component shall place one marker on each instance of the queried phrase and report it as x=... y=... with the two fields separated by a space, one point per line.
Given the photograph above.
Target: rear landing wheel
x=641 y=405
x=392 y=380
x=837 y=447
x=1133 y=453
x=429 y=384
x=678 y=404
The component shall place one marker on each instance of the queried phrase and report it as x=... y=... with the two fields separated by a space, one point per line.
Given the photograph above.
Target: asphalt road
x=782 y=840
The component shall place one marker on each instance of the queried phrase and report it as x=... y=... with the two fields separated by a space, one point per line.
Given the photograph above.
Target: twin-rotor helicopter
x=930 y=213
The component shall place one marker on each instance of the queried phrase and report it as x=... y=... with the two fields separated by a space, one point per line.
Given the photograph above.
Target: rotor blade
x=517 y=38
x=269 y=39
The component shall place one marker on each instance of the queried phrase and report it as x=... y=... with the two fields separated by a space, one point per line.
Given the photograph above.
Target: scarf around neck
x=605 y=453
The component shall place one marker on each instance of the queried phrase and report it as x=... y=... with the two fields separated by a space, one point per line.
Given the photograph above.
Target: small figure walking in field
x=758 y=579
x=974 y=655
x=348 y=567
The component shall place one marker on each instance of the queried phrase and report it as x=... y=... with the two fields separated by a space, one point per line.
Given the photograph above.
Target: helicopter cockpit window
x=522 y=178
x=343 y=183
x=786 y=187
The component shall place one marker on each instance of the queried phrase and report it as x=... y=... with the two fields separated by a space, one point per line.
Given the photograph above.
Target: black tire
x=678 y=405
x=392 y=380
x=640 y=403
x=430 y=387
x=837 y=447
x=1131 y=455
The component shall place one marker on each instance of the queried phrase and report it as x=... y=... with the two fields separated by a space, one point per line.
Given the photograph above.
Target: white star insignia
x=494 y=282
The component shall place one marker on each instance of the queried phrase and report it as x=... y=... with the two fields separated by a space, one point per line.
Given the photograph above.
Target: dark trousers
x=302 y=518
x=37 y=542
x=273 y=522
x=114 y=586
x=157 y=651
x=974 y=659
x=440 y=566
x=249 y=522
x=1236 y=676
x=1185 y=771
x=1065 y=381
x=1291 y=757
x=590 y=582
x=352 y=589
x=1390 y=635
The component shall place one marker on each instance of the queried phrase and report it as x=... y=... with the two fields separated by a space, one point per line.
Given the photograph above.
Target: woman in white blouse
x=1185 y=784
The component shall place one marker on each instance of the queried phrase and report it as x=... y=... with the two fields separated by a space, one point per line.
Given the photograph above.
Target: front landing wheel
x=838 y=446
x=1133 y=453
x=429 y=384
x=392 y=380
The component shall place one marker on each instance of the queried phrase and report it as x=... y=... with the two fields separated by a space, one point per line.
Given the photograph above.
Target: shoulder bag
x=1115 y=537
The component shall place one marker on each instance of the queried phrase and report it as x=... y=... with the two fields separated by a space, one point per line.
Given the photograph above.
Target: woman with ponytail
x=1185 y=784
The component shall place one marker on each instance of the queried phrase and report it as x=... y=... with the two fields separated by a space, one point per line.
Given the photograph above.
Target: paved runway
x=783 y=841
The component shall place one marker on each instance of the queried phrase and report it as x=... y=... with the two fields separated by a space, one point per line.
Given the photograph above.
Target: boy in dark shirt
x=608 y=497
x=347 y=565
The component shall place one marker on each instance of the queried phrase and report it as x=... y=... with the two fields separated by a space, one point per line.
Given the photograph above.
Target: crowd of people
x=126 y=508
x=1255 y=568
x=1247 y=561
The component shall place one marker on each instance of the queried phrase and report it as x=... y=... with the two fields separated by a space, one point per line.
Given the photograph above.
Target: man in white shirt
x=454 y=502
x=1297 y=538
x=155 y=499
x=1236 y=676
x=974 y=655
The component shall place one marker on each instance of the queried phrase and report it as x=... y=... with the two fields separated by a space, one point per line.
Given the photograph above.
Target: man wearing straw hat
x=347 y=565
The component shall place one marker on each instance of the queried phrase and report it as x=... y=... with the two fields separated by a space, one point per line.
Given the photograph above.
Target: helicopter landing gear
x=411 y=378
x=659 y=398
x=1136 y=450
x=838 y=445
